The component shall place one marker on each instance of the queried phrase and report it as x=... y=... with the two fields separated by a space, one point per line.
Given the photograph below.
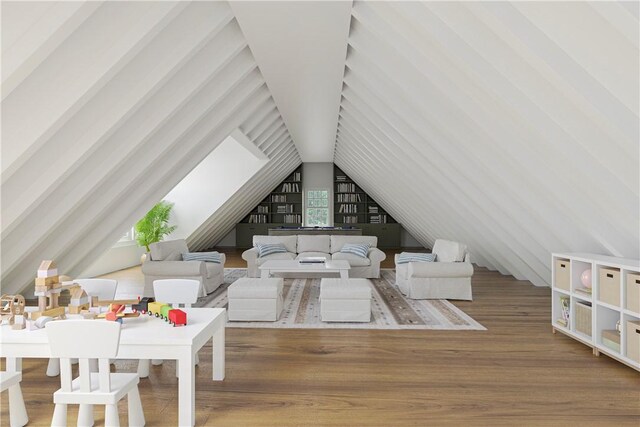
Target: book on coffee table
x=312 y=260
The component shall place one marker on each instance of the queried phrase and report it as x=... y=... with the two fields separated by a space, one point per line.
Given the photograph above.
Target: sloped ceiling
x=512 y=127
x=106 y=107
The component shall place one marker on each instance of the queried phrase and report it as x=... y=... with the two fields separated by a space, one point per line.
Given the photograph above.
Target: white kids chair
x=87 y=340
x=17 y=411
x=173 y=292
x=105 y=290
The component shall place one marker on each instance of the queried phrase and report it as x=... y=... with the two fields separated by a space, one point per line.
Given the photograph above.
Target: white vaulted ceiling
x=512 y=127
x=111 y=105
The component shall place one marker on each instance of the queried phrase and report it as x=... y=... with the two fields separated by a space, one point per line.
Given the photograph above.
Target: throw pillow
x=265 y=249
x=359 y=249
x=202 y=256
x=173 y=256
x=407 y=257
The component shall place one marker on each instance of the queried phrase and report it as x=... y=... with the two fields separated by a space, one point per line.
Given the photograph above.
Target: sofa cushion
x=289 y=242
x=202 y=256
x=407 y=257
x=313 y=243
x=314 y=254
x=265 y=249
x=285 y=255
x=448 y=251
x=173 y=256
x=359 y=249
x=160 y=250
x=337 y=242
x=354 y=260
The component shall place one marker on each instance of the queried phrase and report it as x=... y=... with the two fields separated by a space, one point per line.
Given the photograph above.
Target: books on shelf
x=348 y=209
x=373 y=209
x=378 y=219
x=279 y=198
x=585 y=291
x=565 y=311
x=346 y=187
x=290 y=187
x=341 y=177
x=292 y=219
x=263 y=209
x=349 y=198
x=284 y=209
x=257 y=219
x=295 y=176
x=350 y=219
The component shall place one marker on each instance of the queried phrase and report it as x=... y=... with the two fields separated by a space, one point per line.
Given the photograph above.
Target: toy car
x=177 y=317
x=155 y=308
x=143 y=305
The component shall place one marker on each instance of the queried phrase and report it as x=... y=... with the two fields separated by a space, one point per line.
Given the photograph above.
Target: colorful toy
x=10 y=307
x=79 y=300
x=116 y=313
x=164 y=312
x=48 y=288
x=155 y=308
x=177 y=317
x=143 y=305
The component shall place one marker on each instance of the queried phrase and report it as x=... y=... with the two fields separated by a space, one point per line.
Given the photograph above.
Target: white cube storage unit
x=612 y=303
x=255 y=300
x=345 y=300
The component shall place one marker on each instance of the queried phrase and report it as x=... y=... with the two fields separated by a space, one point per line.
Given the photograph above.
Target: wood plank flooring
x=515 y=373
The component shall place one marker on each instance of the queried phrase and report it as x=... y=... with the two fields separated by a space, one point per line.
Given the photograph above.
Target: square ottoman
x=345 y=300
x=256 y=300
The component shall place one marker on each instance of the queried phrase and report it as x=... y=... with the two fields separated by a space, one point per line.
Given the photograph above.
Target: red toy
x=177 y=317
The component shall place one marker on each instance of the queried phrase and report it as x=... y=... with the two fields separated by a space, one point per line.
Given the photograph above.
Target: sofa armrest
x=223 y=259
x=440 y=269
x=250 y=254
x=376 y=255
x=174 y=268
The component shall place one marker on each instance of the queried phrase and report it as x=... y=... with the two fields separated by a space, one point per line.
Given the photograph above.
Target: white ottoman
x=345 y=300
x=255 y=299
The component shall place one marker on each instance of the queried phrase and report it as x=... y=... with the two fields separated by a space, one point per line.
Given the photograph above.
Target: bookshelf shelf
x=354 y=207
x=282 y=207
x=598 y=320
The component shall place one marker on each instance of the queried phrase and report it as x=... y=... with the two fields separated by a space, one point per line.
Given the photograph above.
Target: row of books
x=284 y=209
x=373 y=209
x=348 y=209
x=351 y=198
x=565 y=312
x=257 y=219
x=290 y=187
x=341 y=178
x=279 y=198
x=293 y=219
x=295 y=176
x=350 y=220
x=378 y=219
x=346 y=188
x=263 y=209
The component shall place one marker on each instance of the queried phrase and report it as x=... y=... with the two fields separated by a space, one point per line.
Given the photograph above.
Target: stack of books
x=564 y=319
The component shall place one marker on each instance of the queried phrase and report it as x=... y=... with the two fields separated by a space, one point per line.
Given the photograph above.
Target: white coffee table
x=293 y=266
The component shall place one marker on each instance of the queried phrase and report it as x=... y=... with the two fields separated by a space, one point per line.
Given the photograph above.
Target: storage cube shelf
x=593 y=316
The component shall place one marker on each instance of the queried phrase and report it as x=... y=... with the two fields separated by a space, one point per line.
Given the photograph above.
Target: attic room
x=255 y=213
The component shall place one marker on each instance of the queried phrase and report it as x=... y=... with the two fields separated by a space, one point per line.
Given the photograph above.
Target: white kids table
x=144 y=338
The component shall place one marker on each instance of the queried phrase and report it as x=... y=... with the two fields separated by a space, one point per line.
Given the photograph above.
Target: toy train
x=174 y=316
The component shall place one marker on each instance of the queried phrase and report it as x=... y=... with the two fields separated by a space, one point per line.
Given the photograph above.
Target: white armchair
x=449 y=277
x=165 y=262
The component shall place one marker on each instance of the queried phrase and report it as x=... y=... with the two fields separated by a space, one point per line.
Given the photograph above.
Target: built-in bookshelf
x=282 y=207
x=353 y=207
x=595 y=299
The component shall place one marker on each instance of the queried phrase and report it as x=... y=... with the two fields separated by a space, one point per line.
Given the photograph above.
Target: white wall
x=319 y=176
x=213 y=182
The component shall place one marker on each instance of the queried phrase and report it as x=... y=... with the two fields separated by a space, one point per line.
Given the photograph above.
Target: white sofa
x=449 y=277
x=165 y=262
x=319 y=246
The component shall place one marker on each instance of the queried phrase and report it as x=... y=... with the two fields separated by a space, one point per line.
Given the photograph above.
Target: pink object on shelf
x=585 y=278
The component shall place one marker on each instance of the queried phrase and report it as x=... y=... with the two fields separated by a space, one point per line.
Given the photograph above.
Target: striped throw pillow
x=359 y=249
x=265 y=249
x=202 y=256
x=406 y=257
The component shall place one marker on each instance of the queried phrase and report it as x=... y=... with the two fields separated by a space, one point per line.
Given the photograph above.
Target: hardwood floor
x=515 y=373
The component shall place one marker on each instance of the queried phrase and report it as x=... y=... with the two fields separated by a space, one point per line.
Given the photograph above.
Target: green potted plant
x=155 y=225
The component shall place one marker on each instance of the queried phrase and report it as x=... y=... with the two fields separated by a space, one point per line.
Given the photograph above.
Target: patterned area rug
x=389 y=308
